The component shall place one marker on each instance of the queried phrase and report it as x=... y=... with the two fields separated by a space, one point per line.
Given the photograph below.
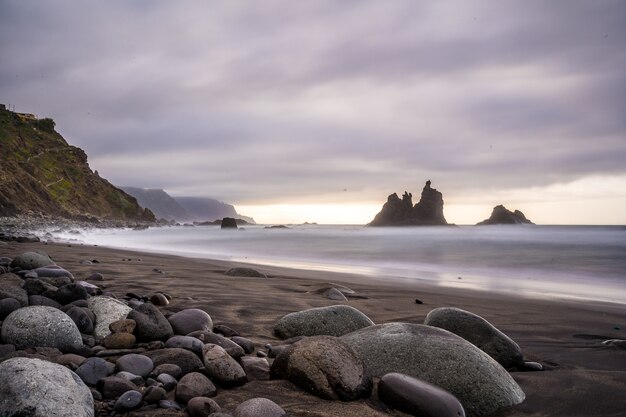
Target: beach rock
x=246 y=344
x=119 y=341
x=201 y=407
x=135 y=379
x=401 y=212
x=123 y=326
x=154 y=394
x=7 y=306
x=31 y=260
x=56 y=281
x=479 y=332
x=151 y=323
x=128 y=401
x=112 y=387
x=334 y=320
x=440 y=358
x=52 y=272
x=36 y=388
x=185 y=342
x=186 y=360
x=40 y=300
x=335 y=294
x=41 y=326
x=37 y=287
x=615 y=343
x=168 y=368
x=11 y=287
x=500 y=215
x=417 y=398
x=96 y=276
x=190 y=320
x=91 y=289
x=170 y=405
x=324 y=366
x=245 y=272
x=531 y=367
x=256 y=368
x=225 y=330
x=258 y=407
x=229 y=223
x=81 y=319
x=221 y=367
x=107 y=310
x=6 y=350
x=232 y=348
x=136 y=364
x=168 y=381
x=71 y=360
x=159 y=299
x=94 y=369
x=194 y=384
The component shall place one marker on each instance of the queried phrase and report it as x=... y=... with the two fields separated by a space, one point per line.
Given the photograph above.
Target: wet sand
x=582 y=377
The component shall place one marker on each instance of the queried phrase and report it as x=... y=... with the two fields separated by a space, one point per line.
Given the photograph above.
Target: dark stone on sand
x=10 y=287
x=500 y=215
x=531 y=367
x=96 y=276
x=418 y=301
x=232 y=348
x=186 y=360
x=31 y=260
x=334 y=320
x=53 y=271
x=201 y=407
x=479 y=332
x=168 y=381
x=151 y=323
x=335 y=294
x=245 y=272
x=615 y=343
x=229 y=223
x=134 y=363
x=135 y=379
x=221 y=367
x=325 y=366
x=112 y=387
x=154 y=394
x=119 y=341
x=185 y=342
x=94 y=369
x=7 y=306
x=159 y=299
x=168 y=368
x=439 y=357
x=36 y=287
x=40 y=300
x=225 y=330
x=169 y=405
x=194 y=384
x=256 y=368
x=6 y=349
x=128 y=401
x=259 y=407
x=56 y=281
x=71 y=360
x=401 y=212
x=41 y=326
x=81 y=319
x=246 y=344
x=190 y=320
x=418 y=398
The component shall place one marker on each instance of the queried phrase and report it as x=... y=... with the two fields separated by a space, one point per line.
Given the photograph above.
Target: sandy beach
x=581 y=377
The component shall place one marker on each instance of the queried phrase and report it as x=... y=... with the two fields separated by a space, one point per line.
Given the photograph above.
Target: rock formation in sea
x=401 y=212
x=500 y=215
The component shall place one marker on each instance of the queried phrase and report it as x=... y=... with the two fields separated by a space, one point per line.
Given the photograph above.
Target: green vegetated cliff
x=41 y=173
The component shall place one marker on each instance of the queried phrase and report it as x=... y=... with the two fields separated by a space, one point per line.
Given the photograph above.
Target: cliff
x=41 y=173
x=401 y=212
x=500 y=215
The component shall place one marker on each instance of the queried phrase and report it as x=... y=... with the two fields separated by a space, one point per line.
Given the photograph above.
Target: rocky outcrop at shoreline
x=401 y=212
x=501 y=215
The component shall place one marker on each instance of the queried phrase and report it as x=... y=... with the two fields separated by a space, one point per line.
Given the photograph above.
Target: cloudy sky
x=317 y=110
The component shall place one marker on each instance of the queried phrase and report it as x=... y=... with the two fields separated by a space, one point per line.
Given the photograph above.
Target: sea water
x=583 y=262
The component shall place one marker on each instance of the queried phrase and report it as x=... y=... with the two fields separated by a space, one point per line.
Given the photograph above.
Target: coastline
x=581 y=377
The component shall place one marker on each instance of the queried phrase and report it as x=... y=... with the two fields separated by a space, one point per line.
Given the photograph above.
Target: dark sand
x=582 y=376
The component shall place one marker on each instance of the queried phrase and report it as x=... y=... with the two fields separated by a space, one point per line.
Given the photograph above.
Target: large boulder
x=94 y=369
x=192 y=385
x=324 y=366
x=151 y=324
x=479 y=332
x=221 y=367
x=334 y=320
x=31 y=260
x=37 y=388
x=107 y=310
x=190 y=320
x=440 y=358
x=41 y=326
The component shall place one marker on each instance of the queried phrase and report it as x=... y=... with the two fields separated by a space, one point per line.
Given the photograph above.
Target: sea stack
x=229 y=223
x=401 y=212
x=500 y=215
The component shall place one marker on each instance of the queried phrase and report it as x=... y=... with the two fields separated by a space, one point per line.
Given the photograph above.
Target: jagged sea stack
x=500 y=215
x=401 y=212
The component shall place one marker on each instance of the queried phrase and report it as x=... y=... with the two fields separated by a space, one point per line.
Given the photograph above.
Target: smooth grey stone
x=135 y=379
x=31 y=260
x=6 y=349
x=107 y=310
x=41 y=326
x=169 y=405
x=245 y=272
x=128 y=401
x=185 y=342
x=225 y=330
x=37 y=388
x=40 y=300
x=168 y=381
x=96 y=276
x=151 y=323
x=325 y=366
x=159 y=299
x=7 y=306
x=418 y=398
x=11 y=287
x=479 y=332
x=221 y=367
x=112 y=387
x=439 y=357
x=334 y=320
x=615 y=343
x=201 y=407
x=47 y=272
x=56 y=281
x=186 y=360
x=37 y=287
x=154 y=394
x=190 y=320
x=168 y=368
x=94 y=369
x=335 y=294
x=136 y=364
x=229 y=346
x=246 y=344
x=71 y=360
x=532 y=367
x=81 y=319
x=194 y=384
x=256 y=368
x=258 y=407
x=91 y=289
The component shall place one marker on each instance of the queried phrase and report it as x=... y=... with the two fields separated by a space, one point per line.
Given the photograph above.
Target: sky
x=318 y=110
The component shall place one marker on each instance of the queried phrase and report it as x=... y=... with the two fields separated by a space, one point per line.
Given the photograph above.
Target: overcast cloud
x=326 y=101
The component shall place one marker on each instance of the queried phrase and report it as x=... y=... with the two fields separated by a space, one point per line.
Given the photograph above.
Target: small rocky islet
x=105 y=354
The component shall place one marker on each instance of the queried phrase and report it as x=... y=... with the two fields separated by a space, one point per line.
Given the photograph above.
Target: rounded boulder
x=190 y=320
x=334 y=320
x=107 y=310
x=258 y=407
x=31 y=260
x=151 y=324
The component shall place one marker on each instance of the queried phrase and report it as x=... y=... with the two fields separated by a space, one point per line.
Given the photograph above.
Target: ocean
x=575 y=262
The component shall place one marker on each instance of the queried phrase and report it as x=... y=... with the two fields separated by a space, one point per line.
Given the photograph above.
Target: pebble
x=186 y=360
x=171 y=405
x=81 y=319
x=7 y=306
x=190 y=320
x=258 y=407
x=229 y=346
x=123 y=326
x=94 y=369
x=168 y=381
x=256 y=368
x=168 y=368
x=112 y=387
x=119 y=341
x=201 y=407
x=225 y=330
x=246 y=344
x=151 y=324
x=159 y=300
x=194 y=384
x=135 y=379
x=220 y=366
x=136 y=364
x=130 y=400
x=532 y=367
x=245 y=272
x=185 y=342
x=154 y=394
x=96 y=276
x=70 y=292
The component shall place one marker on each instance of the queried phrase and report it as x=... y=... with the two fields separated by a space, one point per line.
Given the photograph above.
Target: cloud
x=299 y=101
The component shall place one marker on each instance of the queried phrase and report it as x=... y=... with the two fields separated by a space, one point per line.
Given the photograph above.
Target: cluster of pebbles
x=101 y=355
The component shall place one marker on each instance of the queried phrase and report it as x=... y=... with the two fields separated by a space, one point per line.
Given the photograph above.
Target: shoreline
x=581 y=377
